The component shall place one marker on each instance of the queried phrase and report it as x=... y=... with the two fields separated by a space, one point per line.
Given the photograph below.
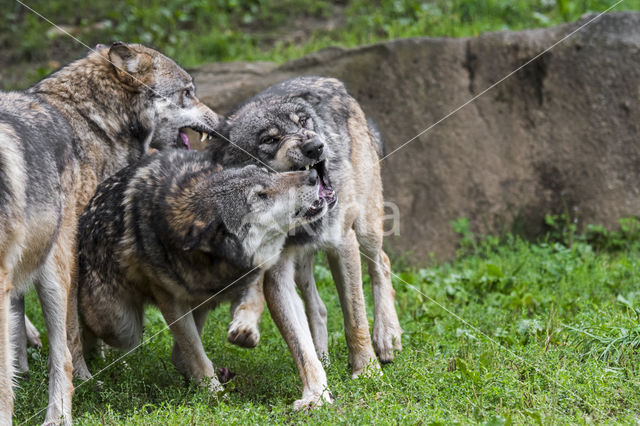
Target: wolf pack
x=105 y=209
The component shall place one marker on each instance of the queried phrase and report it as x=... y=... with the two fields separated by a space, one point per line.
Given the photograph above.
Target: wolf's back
x=378 y=141
x=37 y=148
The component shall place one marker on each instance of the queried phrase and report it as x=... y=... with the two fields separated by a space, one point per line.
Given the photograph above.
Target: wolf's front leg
x=192 y=359
x=314 y=307
x=344 y=261
x=246 y=312
x=288 y=313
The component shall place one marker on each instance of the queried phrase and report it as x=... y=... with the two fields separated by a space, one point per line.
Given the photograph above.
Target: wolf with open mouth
x=180 y=232
x=58 y=140
x=313 y=123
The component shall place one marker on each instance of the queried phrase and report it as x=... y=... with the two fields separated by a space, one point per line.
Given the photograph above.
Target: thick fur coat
x=312 y=122
x=179 y=232
x=58 y=140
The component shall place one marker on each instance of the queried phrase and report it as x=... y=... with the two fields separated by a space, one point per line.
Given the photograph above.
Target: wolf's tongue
x=321 y=189
x=185 y=139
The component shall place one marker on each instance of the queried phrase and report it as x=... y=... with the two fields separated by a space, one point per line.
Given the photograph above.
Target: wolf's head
x=172 y=102
x=283 y=132
x=129 y=92
x=243 y=215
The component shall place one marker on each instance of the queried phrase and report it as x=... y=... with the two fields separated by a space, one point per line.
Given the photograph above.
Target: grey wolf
x=181 y=233
x=312 y=122
x=58 y=140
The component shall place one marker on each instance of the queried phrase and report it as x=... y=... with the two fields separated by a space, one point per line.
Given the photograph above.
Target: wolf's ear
x=125 y=59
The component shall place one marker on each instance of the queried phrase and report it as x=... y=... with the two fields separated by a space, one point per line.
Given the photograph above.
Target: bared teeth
x=203 y=136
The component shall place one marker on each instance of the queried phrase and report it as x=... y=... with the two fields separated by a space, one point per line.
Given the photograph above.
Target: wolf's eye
x=188 y=93
x=270 y=139
x=262 y=195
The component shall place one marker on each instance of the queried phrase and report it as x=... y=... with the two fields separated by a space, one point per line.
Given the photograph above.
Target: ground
x=510 y=331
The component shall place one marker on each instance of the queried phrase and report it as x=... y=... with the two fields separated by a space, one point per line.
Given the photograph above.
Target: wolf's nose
x=312 y=178
x=313 y=149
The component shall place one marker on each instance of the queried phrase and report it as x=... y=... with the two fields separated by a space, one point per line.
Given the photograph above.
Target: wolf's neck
x=263 y=246
x=102 y=115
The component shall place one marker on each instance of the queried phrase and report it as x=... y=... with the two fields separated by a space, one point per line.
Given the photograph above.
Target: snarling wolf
x=313 y=123
x=184 y=234
x=58 y=140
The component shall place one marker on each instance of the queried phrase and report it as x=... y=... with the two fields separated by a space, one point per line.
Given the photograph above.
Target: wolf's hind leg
x=386 y=327
x=186 y=336
x=200 y=317
x=313 y=305
x=33 y=335
x=246 y=313
x=23 y=333
x=19 y=333
x=53 y=288
x=80 y=369
x=344 y=261
x=6 y=355
x=111 y=310
x=121 y=326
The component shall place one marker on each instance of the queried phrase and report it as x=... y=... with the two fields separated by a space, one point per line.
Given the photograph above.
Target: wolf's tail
x=377 y=137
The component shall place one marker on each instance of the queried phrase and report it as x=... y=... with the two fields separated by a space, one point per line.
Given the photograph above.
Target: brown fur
x=59 y=139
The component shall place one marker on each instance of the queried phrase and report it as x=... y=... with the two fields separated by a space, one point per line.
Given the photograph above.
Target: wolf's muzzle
x=313 y=148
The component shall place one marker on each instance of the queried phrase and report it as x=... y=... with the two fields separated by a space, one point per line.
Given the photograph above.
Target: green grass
x=550 y=330
x=543 y=332
x=199 y=31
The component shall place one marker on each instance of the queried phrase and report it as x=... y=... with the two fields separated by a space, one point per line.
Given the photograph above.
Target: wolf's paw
x=314 y=400
x=386 y=341
x=365 y=365
x=214 y=386
x=5 y=416
x=81 y=372
x=58 y=422
x=33 y=335
x=22 y=362
x=243 y=332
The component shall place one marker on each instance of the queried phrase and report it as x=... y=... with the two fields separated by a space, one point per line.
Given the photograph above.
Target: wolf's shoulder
x=311 y=83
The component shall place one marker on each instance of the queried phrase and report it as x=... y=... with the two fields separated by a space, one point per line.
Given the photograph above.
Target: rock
x=560 y=135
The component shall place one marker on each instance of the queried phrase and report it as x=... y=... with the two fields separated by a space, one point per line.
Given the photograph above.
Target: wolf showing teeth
x=312 y=123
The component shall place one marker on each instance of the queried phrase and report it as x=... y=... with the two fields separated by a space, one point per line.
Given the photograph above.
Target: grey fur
x=268 y=129
x=178 y=231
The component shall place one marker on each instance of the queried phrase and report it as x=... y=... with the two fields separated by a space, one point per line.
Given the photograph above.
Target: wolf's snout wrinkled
x=313 y=148
x=210 y=117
